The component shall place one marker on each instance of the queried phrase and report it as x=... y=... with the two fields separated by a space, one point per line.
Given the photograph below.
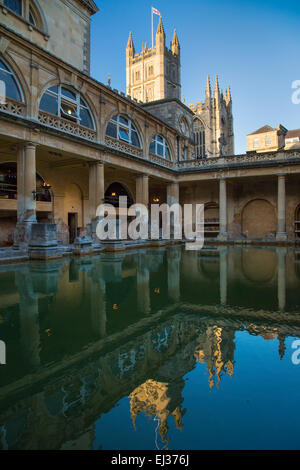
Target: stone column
x=98 y=305
x=142 y=190
x=223 y=274
x=223 y=235
x=281 y=279
x=143 y=287
x=172 y=198
x=96 y=193
x=29 y=318
x=26 y=175
x=281 y=209
x=96 y=187
x=30 y=183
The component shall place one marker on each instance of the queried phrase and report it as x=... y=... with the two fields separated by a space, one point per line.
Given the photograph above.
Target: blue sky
x=252 y=45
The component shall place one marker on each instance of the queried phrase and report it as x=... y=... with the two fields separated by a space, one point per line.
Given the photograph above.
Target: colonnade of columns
x=26 y=171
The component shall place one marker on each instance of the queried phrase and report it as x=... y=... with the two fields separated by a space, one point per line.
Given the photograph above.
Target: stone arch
x=38 y=12
x=116 y=189
x=19 y=77
x=259 y=219
x=182 y=119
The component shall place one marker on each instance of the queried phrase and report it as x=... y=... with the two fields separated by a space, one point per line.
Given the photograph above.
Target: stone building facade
x=154 y=78
x=69 y=142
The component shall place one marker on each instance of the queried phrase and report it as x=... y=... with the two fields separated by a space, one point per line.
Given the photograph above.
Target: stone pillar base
x=83 y=246
x=281 y=236
x=43 y=244
x=223 y=236
x=22 y=236
x=113 y=245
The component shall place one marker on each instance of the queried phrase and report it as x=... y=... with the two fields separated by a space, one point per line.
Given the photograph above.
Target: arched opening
x=199 y=137
x=297 y=222
x=259 y=219
x=114 y=191
x=211 y=220
x=12 y=88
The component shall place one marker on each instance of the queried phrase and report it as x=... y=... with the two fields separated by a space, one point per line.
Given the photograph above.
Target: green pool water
x=152 y=349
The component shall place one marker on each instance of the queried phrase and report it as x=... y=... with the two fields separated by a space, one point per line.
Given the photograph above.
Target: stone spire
x=175 y=47
x=217 y=91
x=160 y=33
x=208 y=89
x=130 y=46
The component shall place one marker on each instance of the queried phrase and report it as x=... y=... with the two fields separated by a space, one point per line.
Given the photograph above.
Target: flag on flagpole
x=155 y=11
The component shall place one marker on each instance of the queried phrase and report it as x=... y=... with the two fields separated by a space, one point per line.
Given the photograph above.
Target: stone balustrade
x=13 y=107
x=67 y=126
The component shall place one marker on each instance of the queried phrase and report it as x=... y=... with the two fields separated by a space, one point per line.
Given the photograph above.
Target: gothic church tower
x=155 y=73
x=213 y=123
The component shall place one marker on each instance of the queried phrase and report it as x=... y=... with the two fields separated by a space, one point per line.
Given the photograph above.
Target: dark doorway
x=73 y=226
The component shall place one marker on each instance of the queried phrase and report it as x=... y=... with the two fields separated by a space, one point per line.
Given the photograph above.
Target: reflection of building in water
x=153 y=398
x=94 y=356
x=216 y=349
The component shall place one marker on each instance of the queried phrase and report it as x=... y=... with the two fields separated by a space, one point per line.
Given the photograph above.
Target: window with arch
x=67 y=103
x=160 y=147
x=12 y=87
x=199 y=137
x=122 y=128
x=27 y=9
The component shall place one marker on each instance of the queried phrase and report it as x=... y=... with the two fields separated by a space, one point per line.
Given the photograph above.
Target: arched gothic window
x=12 y=87
x=28 y=9
x=159 y=146
x=122 y=128
x=68 y=104
x=199 y=136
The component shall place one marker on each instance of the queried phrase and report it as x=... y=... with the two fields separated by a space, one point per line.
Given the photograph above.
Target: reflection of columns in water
x=98 y=304
x=111 y=267
x=223 y=274
x=281 y=289
x=143 y=285
x=174 y=258
x=29 y=318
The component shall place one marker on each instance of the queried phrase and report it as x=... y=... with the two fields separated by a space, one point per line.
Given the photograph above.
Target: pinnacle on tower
x=217 y=91
x=229 y=94
x=175 y=47
x=160 y=33
x=130 y=46
x=208 y=89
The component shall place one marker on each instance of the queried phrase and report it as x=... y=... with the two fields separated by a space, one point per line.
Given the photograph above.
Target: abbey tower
x=153 y=78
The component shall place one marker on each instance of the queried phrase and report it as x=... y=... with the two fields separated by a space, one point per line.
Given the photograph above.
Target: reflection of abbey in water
x=73 y=353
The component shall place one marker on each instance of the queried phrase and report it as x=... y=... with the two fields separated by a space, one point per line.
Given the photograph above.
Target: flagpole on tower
x=152 y=25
